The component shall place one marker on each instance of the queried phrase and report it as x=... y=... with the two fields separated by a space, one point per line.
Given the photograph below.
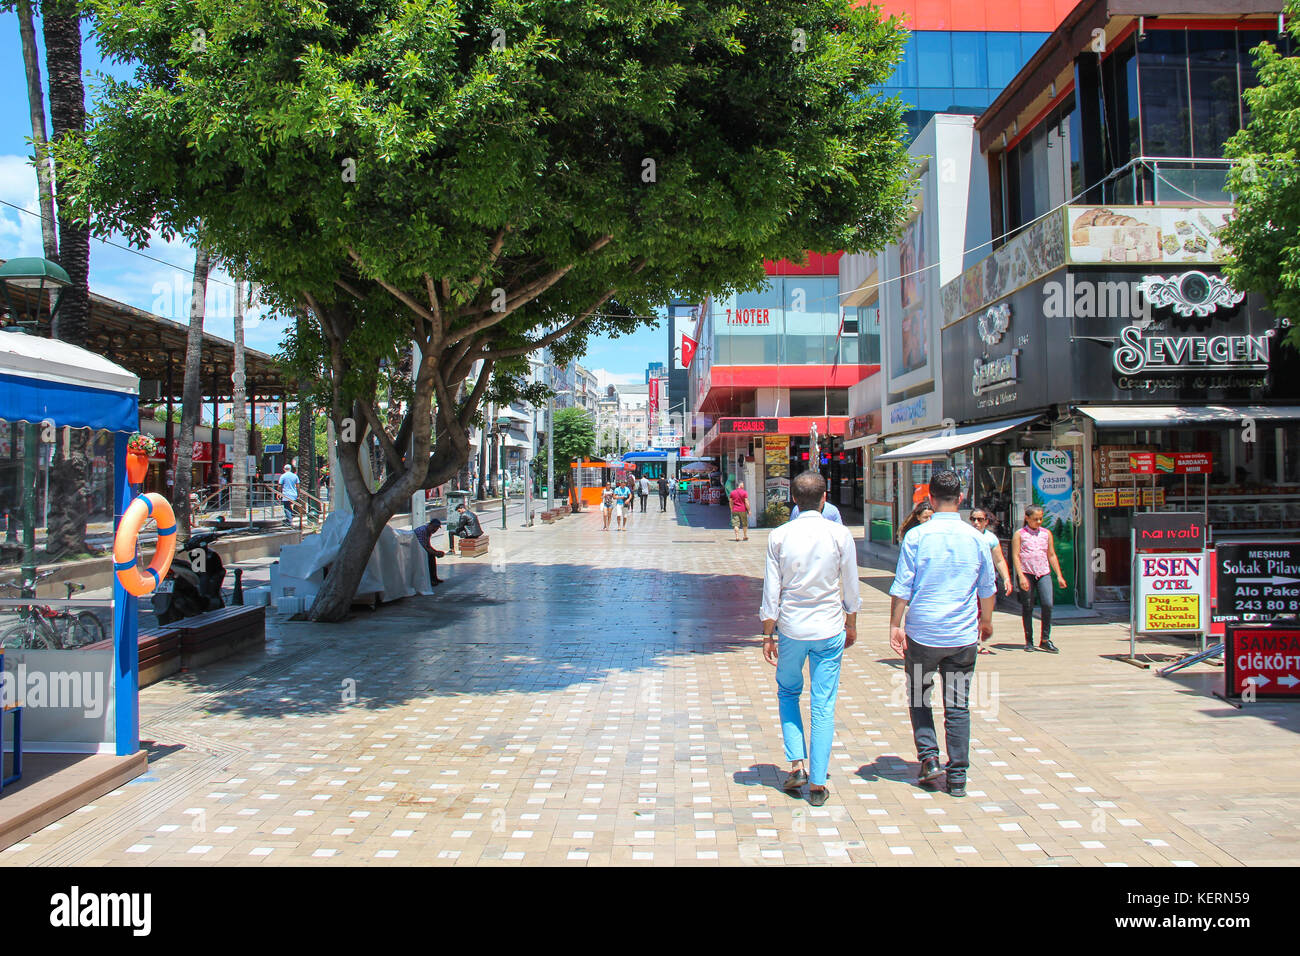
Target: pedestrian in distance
x=424 y=534
x=829 y=512
x=643 y=489
x=809 y=612
x=622 y=501
x=920 y=515
x=288 y=492
x=1033 y=553
x=663 y=494
x=606 y=505
x=979 y=518
x=941 y=605
x=739 y=512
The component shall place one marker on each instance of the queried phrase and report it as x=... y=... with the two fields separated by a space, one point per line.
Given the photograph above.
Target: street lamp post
x=502 y=423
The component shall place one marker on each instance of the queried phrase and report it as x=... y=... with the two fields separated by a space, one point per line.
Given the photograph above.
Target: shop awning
x=1172 y=416
x=939 y=446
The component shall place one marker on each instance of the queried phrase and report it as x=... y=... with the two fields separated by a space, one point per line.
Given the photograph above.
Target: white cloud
x=605 y=377
x=20 y=232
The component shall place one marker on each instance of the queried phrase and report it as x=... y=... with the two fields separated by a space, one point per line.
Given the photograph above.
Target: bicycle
x=46 y=628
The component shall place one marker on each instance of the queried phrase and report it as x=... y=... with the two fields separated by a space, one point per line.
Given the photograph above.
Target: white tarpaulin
x=398 y=567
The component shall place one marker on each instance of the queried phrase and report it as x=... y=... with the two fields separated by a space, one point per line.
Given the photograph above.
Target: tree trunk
x=36 y=103
x=239 y=450
x=70 y=473
x=191 y=395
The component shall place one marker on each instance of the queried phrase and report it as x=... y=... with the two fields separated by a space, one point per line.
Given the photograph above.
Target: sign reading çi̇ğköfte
x=1257 y=578
x=1261 y=661
x=1108 y=334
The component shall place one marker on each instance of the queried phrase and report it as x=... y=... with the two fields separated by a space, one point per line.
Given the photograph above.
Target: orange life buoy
x=125 y=562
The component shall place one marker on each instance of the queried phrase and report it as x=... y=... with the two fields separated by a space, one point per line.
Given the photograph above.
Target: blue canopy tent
x=47 y=381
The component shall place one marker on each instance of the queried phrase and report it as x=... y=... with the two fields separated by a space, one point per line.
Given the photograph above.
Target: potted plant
x=139 y=448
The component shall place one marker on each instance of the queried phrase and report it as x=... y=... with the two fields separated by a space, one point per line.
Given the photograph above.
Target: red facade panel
x=1033 y=16
x=819 y=264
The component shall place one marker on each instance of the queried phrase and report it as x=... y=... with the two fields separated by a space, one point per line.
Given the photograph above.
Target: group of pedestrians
x=618 y=499
x=941 y=618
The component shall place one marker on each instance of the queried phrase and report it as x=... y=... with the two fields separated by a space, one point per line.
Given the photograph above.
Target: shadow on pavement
x=531 y=628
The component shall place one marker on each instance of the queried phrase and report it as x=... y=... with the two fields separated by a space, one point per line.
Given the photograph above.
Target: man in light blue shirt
x=944 y=585
x=829 y=512
x=288 y=492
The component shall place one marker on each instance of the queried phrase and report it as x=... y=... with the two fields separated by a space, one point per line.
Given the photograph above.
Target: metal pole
x=550 y=454
x=501 y=467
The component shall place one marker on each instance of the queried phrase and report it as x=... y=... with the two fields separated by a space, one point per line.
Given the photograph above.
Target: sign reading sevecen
x=1136 y=354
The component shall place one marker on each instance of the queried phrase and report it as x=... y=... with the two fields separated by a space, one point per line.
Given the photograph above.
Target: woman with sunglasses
x=980 y=519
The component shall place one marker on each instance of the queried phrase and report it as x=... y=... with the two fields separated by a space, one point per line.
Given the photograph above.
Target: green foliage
x=774 y=515
x=1264 y=234
x=575 y=435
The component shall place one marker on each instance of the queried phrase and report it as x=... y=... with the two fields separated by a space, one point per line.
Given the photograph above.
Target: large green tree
x=483 y=179
x=1264 y=233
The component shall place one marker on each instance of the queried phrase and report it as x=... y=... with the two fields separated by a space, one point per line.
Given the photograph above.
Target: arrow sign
x=1257 y=681
x=1288 y=680
x=1273 y=580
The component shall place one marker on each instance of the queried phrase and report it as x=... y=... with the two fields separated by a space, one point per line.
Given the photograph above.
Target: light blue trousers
x=824 y=674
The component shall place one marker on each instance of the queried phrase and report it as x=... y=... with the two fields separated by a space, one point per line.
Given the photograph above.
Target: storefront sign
x=1192 y=293
x=1142 y=463
x=861 y=426
x=776 y=454
x=1262 y=661
x=905 y=413
x=1258 y=579
x=1159 y=530
x=745 y=426
x=996 y=373
x=1136 y=354
x=1128 y=497
x=1105 y=498
x=748 y=317
x=1185 y=463
x=1111 y=463
x=1171 y=590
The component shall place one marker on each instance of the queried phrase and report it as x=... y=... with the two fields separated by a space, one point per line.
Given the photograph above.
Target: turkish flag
x=688 y=349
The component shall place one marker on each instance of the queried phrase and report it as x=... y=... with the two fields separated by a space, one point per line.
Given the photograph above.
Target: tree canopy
x=1264 y=233
x=485 y=178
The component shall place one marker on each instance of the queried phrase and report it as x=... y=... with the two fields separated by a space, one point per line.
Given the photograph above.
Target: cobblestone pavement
x=583 y=697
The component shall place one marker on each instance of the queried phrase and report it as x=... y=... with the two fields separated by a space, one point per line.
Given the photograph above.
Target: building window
x=970 y=60
x=1162 y=60
x=815 y=402
x=1215 y=99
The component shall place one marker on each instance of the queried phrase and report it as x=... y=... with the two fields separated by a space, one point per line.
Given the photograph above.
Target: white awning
x=939 y=446
x=1173 y=416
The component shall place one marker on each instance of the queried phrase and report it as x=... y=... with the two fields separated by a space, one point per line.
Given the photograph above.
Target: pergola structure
x=153 y=348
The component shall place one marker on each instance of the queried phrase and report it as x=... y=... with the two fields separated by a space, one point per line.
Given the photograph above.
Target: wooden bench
x=159 y=650
x=213 y=635
x=472 y=547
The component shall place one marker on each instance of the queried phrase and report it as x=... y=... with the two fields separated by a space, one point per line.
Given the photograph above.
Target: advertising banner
x=1051 y=478
x=1132 y=234
x=1259 y=579
x=776 y=454
x=1171 y=591
x=1264 y=658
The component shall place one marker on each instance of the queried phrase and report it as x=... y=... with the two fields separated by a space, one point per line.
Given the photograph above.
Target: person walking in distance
x=606 y=506
x=663 y=494
x=643 y=490
x=622 y=501
x=288 y=492
x=979 y=518
x=809 y=611
x=941 y=604
x=1032 y=552
x=739 y=512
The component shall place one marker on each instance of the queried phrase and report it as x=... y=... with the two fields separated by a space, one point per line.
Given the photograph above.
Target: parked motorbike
x=193 y=584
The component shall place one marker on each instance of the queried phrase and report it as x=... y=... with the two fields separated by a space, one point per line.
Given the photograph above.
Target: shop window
x=1247 y=40
x=1212 y=65
x=1166 y=127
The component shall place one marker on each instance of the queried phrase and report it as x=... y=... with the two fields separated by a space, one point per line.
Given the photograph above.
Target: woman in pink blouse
x=1033 y=554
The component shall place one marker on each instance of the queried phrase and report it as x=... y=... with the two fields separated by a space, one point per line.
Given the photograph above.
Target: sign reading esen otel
x=1099 y=334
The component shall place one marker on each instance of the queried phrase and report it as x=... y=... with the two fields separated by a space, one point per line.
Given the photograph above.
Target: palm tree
x=191 y=395
x=36 y=103
x=70 y=472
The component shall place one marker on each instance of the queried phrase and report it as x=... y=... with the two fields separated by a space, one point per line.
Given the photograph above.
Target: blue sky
x=161 y=282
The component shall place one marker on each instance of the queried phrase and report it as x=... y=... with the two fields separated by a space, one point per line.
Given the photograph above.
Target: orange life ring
x=125 y=562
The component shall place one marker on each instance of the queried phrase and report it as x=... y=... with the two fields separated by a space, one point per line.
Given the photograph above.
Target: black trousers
x=663 y=502
x=643 y=498
x=433 y=567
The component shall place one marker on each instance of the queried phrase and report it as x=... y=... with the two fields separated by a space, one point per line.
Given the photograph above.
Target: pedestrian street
x=583 y=697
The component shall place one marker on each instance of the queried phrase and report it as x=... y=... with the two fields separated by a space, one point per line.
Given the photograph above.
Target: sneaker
x=956 y=786
x=1049 y=647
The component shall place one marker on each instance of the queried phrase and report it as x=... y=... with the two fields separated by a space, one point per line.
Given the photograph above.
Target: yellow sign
x=776 y=444
x=1105 y=498
x=1126 y=497
x=1172 y=612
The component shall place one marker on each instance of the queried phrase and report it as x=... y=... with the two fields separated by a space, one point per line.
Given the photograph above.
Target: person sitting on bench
x=424 y=534
x=465 y=524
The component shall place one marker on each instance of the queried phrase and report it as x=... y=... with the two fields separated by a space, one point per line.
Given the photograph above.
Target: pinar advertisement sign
x=1171 y=590
x=1262 y=661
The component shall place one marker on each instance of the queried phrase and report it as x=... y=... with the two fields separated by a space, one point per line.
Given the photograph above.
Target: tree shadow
x=522 y=628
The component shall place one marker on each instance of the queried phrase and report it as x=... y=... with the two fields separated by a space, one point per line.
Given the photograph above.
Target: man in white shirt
x=809 y=610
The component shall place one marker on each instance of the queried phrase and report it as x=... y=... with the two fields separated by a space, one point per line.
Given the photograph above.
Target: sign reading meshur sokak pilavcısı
x=1109 y=335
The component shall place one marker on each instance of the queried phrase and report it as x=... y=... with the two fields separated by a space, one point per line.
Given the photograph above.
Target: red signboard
x=1185 y=462
x=654 y=399
x=745 y=426
x=1142 y=463
x=1262 y=661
